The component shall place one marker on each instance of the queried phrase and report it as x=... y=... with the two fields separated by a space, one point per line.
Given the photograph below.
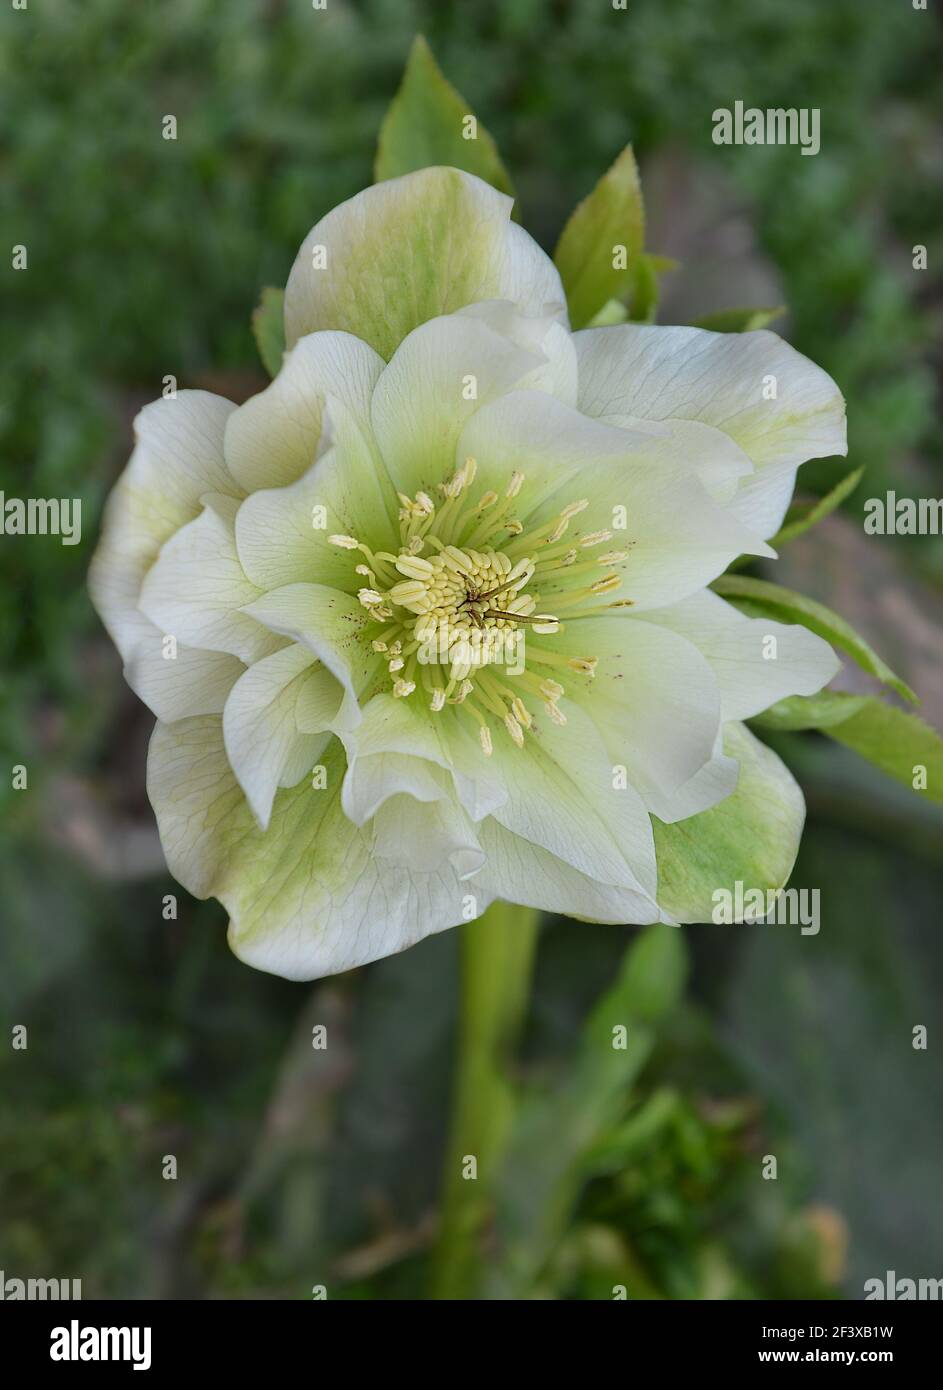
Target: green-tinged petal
x=561 y=795
x=428 y=123
x=332 y=625
x=600 y=244
x=178 y=456
x=264 y=743
x=776 y=404
x=521 y=872
x=283 y=533
x=177 y=681
x=392 y=726
x=309 y=896
x=273 y=439
x=654 y=701
x=408 y=250
x=719 y=463
x=541 y=334
x=672 y=536
x=751 y=837
x=423 y=834
x=756 y=661
x=438 y=377
x=197 y=586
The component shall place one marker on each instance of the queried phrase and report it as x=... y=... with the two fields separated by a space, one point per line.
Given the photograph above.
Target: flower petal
x=178 y=456
x=283 y=533
x=442 y=373
x=721 y=465
x=721 y=379
x=521 y=872
x=542 y=334
x=332 y=625
x=308 y=897
x=654 y=701
x=752 y=836
x=675 y=537
x=411 y=248
x=197 y=586
x=425 y=834
x=273 y=438
x=560 y=795
x=264 y=743
x=752 y=671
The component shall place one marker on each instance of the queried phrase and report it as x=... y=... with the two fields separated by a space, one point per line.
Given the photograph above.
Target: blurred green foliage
x=146 y=258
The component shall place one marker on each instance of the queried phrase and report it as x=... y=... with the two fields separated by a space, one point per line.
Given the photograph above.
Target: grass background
x=146 y=257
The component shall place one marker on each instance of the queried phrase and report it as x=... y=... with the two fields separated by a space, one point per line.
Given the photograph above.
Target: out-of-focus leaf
x=606 y=228
x=825 y=1027
x=893 y=739
x=759 y=598
x=803 y=516
x=612 y=312
x=739 y=320
x=426 y=124
x=542 y=1173
x=268 y=327
x=646 y=291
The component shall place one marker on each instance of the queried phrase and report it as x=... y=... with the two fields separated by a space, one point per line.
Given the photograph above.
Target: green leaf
x=800 y=712
x=611 y=216
x=752 y=835
x=739 y=320
x=803 y=516
x=426 y=124
x=892 y=739
x=268 y=327
x=759 y=599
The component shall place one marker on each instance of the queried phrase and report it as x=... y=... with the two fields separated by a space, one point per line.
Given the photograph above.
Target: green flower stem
x=497 y=953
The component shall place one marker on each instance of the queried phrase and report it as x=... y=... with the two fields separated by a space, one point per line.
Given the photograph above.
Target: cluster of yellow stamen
x=453 y=605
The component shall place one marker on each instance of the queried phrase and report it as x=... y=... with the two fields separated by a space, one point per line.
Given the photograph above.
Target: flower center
x=454 y=609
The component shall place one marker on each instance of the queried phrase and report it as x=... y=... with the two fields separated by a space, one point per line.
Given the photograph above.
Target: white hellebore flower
x=438 y=598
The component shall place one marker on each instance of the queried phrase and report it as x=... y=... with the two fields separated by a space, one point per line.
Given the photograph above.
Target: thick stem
x=497 y=952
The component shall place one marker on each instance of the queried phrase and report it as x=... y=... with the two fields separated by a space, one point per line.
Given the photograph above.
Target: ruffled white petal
x=331 y=624
x=178 y=456
x=777 y=405
x=264 y=744
x=283 y=534
x=521 y=872
x=273 y=438
x=308 y=897
x=655 y=703
x=438 y=377
x=756 y=661
x=640 y=486
x=197 y=586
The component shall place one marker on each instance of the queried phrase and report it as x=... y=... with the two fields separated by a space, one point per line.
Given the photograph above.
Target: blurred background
x=146 y=1038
